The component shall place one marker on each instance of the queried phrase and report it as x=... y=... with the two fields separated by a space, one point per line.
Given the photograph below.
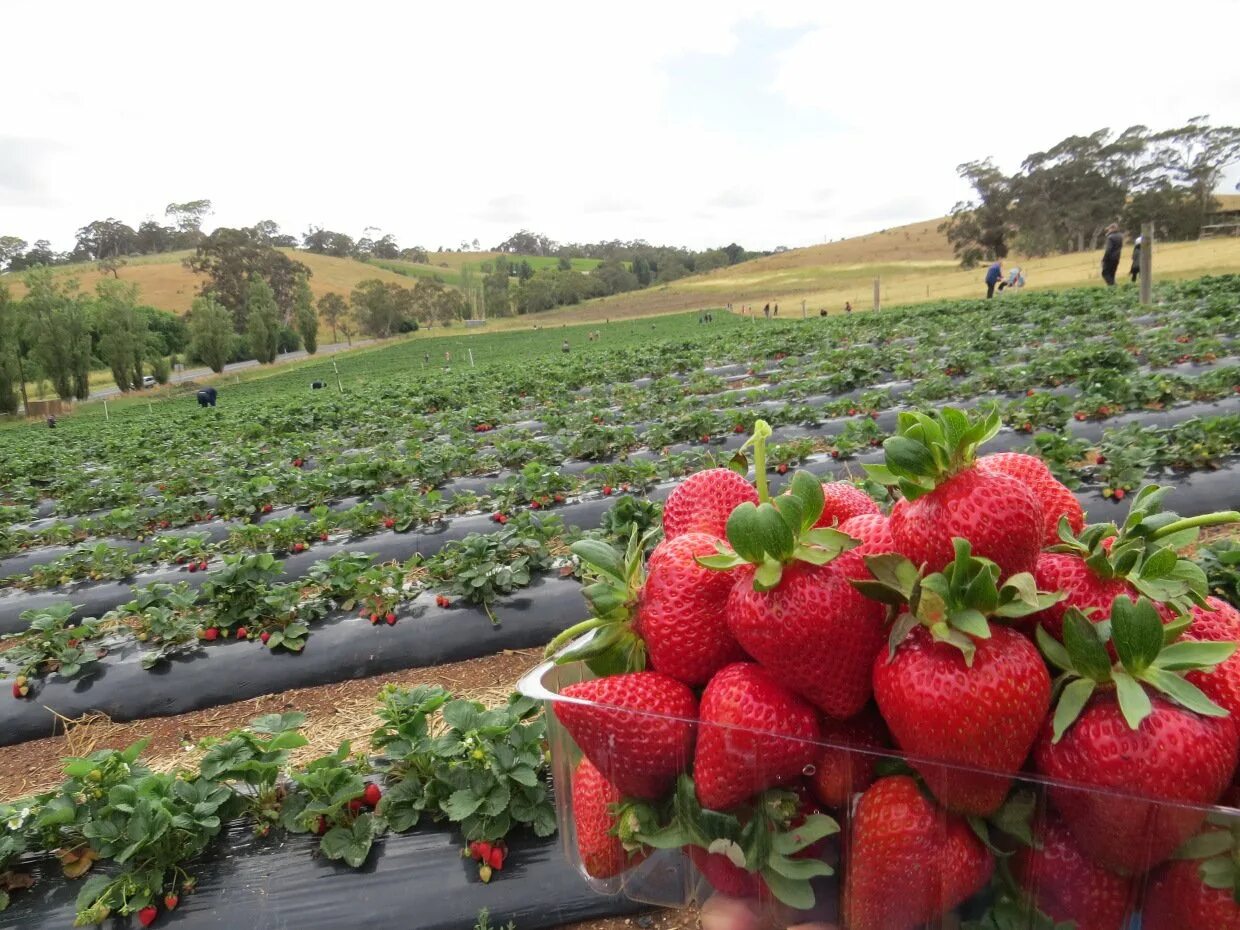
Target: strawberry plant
x=255 y=757
x=1220 y=561
x=234 y=595
x=340 y=577
x=481 y=768
x=330 y=798
x=51 y=644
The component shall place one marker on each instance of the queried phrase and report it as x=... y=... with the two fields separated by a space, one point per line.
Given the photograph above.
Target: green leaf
x=907 y=457
x=791 y=509
x=1188 y=655
x=1183 y=692
x=894 y=572
x=971 y=622
x=1071 y=702
x=798 y=894
x=1134 y=703
x=1220 y=874
x=600 y=556
x=1206 y=845
x=91 y=890
x=1137 y=633
x=905 y=624
x=776 y=534
x=768 y=574
x=1089 y=654
x=814 y=828
x=808 y=490
x=460 y=804
x=798 y=869
x=1054 y=651
x=745 y=534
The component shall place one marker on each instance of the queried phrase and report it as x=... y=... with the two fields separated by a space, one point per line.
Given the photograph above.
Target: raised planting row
x=243 y=838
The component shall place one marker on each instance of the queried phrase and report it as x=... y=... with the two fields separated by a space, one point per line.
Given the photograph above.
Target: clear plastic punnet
x=883 y=850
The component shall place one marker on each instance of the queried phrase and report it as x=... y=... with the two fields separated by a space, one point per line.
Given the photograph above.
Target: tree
x=112 y=266
x=122 y=332
x=495 y=289
x=565 y=263
x=386 y=247
x=325 y=242
x=614 y=277
x=104 y=239
x=39 y=254
x=230 y=258
x=211 y=333
x=10 y=248
x=11 y=373
x=417 y=255
x=60 y=331
x=980 y=229
x=382 y=308
x=188 y=217
x=332 y=308
x=526 y=243
x=641 y=271
x=262 y=321
x=1197 y=155
x=152 y=238
x=307 y=320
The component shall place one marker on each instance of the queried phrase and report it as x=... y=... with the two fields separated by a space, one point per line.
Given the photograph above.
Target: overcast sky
x=681 y=123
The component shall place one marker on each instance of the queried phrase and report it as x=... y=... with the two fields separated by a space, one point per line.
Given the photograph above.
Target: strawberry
x=372 y=795
x=171 y=901
x=19 y=691
x=704 y=501
x=844 y=768
x=202 y=566
x=496 y=859
x=843 y=500
x=673 y=618
x=792 y=607
x=1139 y=559
x=1066 y=886
x=389 y=522
x=242 y=632
x=681 y=611
x=607 y=490
x=931 y=459
x=267 y=508
x=1056 y=500
x=1198 y=890
x=390 y=618
x=147 y=915
x=953 y=687
x=193 y=566
x=724 y=876
x=1157 y=763
x=908 y=861
x=375 y=617
x=322 y=537
x=637 y=728
x=874 y=531
x=1217 y=621
x=211 y=634
x=753 y=734
x=602 y=851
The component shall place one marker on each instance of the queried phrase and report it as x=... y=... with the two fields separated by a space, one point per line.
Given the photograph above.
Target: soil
x=686 y=919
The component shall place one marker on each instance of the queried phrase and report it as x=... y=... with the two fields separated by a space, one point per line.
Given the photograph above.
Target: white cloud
x=440 y=123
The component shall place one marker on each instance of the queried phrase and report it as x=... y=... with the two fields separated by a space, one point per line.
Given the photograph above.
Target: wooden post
x=878 y=303
x=336 y=369
x=471 y=357
x=107 y=416
x=802 y=308
x=1147 y=261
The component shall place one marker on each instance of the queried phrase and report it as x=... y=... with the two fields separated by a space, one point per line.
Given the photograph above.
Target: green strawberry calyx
x=1218 y=850
x=1149 y=657
x=954 y=605
x=1145 y=550
x=928 y=449
x=778 y=531
x=615 y=581
x=765 y=840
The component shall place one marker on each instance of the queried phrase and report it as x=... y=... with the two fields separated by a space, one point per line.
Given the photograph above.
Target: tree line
x=1063 y=199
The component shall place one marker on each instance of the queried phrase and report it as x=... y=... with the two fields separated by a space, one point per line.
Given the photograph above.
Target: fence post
x=878 y=303
x=336 y=369
x=471 y=357
x=1147 y=261
x=107 y=416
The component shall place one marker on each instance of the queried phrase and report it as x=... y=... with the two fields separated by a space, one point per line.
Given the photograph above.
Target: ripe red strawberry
x=1084 y=588
x=844 y=769
x=602 y=853
x=389 y=522
x=1055 y=498
x=947 y=496
x=147 y=915
x=372 y=795
x=753 y=734
x=496 y=859
x=1131 y=744
x=725 y=877
x=193 y=566
x=1218 y=621
x=322 y=537
x=1199 y=889
x=607 y=490
x=202 y=566
x=211 y=634
x=874 y=531
x=390 y=618
x=19 y=691
x=356 y=806
x=908 y=861
x=681 y=611
x=704 y=501
x=171 y=901
x=813 y=631
x=955 y=687
x=375 y=617
x=842 y=501
x=242 y=632
x=637 y=729
x=1066 y=886
x=264 y=636
x=267 y=508
x=320 y=826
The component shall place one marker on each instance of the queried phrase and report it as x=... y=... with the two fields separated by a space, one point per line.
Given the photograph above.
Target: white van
x=148 y=381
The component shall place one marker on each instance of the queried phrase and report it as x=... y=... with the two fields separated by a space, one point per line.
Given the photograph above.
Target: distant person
x=822 y=311
x=1015 y=278
x=766 y=311
x=777 y=309
x=848 y=306
x=51 y=422
x=206 y=397
x=1111 y=253
x=994 y=274
x=565 y=347
x=1135 y=271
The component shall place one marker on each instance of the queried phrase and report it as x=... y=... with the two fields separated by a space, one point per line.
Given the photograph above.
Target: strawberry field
x=791 y=741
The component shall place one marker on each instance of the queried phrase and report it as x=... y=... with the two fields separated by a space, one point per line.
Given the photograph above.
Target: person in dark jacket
x=1135 y=270
x=994 y=274
x=1110 y=255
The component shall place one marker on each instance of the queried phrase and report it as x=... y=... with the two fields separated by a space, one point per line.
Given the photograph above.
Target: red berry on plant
x=390 y=618
x=147 y=915
x=211 y=634
x=242 y=632
x=372 y=795
x=264 y=636
x=171 y=901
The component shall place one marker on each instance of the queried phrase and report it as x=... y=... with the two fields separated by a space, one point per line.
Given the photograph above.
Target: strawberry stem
x=1189 y=523
x=761 y=433
x=585 y=626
